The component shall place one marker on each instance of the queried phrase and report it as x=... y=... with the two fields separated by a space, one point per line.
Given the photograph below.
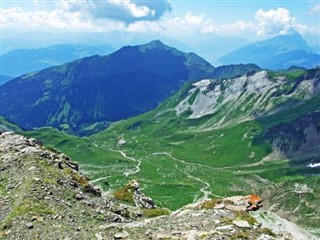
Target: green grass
x=222 y=158
x=177 y=158
x=193 y=96
x=170 y=182
x=289 y=74
x=245 y=216
x=125 y=194
x=312 y=105
x=155 y=212
x=29 y=208
x=9 y=125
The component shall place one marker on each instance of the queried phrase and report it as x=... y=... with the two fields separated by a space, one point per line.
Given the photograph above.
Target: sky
x=172 y=19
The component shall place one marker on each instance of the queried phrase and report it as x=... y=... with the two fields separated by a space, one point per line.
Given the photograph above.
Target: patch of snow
x=202 y=83
x=121 y=142
x=313 y=165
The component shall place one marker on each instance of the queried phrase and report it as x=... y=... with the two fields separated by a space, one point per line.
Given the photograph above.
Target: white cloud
x=315 y=9
x=127 y=11
x=146 y=27
x=280 y=21
x=53 y=20
x=135 y=10
x=191 y=24
x=194 y=19
x=277 y=21
x=140 y=16
x=271 y=22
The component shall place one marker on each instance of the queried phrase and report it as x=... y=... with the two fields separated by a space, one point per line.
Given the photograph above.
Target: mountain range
x=128 y=82
x=280 y=52
x=209 y=45
x=187 y=130
x=21 y=61
x=4 y=79
x=256 y=133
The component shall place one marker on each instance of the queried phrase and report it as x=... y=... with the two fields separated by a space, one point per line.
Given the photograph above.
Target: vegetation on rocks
x=125 y=194
x=42 y=196
x=155 y=212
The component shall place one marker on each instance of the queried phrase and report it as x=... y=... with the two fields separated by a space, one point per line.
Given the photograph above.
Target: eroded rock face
x=132 y=193
x=209 y=219
x=43 y=195
x=141 y=200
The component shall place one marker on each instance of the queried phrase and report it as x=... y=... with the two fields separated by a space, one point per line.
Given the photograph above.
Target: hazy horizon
x=215 y=27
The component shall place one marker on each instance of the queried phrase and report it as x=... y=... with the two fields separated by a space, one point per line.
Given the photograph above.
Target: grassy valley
x=180 y=159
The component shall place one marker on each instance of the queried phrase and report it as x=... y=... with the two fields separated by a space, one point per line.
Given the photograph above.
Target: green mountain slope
x=215 y=138
x=87 y=94
x=5 y=125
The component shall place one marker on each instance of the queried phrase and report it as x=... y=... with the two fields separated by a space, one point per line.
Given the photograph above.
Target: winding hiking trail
x=136 y=168
x=204 y=190
x=99 y=179
x=207 y=185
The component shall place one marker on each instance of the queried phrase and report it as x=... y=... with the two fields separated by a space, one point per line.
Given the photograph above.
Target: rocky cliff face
x=301 y=136
x=44 y=196
x=250 y=96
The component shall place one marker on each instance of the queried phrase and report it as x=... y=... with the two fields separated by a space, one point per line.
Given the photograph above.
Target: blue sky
x=174 y=19
x=95 y=15
x=245 y=10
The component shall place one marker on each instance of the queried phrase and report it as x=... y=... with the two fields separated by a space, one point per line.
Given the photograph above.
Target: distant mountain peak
x=293 y=40
x=280 y=52
x=155 y=44
x=128 y=82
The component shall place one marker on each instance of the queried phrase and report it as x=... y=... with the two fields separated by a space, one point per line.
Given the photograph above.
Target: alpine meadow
x=160 y=120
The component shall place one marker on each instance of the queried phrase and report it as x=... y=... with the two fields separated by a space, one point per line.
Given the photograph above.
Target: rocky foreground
x=44 y=196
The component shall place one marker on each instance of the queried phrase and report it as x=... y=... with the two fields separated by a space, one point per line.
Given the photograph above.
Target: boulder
x=121 y=235
x=241 y=224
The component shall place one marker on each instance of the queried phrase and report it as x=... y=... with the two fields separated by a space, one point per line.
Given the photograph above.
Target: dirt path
x=137 y=161
x=206 y=186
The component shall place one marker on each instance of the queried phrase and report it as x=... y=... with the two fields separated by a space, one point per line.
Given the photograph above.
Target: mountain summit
x=280 y=52
x=128 y=82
